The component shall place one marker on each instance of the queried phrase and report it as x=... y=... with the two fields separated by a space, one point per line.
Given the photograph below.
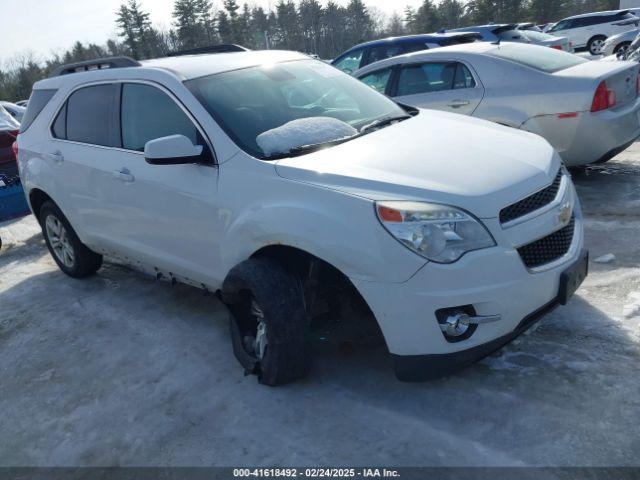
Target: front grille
x=549 y=248
x=532 y=202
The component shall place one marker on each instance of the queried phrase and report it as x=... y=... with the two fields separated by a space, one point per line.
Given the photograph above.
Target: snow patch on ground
x=632 y=307
x=303 y=131
x=608 y=258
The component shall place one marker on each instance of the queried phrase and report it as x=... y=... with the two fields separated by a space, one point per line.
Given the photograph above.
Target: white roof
x=193 y=66
x=595 y=14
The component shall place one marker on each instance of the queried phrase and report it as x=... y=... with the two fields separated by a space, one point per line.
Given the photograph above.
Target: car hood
x=436 y=156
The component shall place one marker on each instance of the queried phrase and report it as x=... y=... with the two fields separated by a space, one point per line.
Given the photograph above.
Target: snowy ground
x=121 y=370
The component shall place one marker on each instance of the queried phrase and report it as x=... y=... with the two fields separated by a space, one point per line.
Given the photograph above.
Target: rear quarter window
x=37 y=102
x=544 y=59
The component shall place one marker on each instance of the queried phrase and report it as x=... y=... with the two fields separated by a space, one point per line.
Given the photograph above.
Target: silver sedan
x=618 y=44
x=589 y=111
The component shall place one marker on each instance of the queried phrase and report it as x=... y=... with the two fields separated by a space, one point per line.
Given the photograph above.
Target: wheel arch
x=302 y=263
x=37 y=198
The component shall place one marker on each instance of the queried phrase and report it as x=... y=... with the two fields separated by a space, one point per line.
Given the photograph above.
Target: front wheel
x=72 y=256
x=596 y=44
x=269 y=328
x=621 y=49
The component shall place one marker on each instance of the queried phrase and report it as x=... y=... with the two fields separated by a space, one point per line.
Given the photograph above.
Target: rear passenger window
x=426 y=78
x=148 y=113
x=377 y=80
x=60 y=125
x=91 y=115
x=415 y=47
x=463 y=78
x=383 y=52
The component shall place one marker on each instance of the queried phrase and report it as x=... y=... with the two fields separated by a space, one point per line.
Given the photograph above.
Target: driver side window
x=148 y=113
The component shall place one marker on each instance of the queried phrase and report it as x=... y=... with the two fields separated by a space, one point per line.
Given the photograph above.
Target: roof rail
x=223 y=48
x=97 y=64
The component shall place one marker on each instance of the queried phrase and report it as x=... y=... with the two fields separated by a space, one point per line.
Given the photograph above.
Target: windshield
x=545 y=59
x=250 y=102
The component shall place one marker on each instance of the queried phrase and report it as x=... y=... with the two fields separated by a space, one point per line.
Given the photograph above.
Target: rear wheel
x=595 y=44
x=72 y=256
x=269 y=328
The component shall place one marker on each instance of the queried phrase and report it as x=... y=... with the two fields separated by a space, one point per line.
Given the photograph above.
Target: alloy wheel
x=596 y=46
x=59 y=241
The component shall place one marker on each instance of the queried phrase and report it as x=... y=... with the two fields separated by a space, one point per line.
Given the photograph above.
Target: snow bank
x=303 y=131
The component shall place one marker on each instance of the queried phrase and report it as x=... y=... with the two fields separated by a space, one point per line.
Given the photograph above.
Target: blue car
x=366 y=53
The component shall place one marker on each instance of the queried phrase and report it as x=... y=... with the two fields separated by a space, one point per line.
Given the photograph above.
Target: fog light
x=459 y=323
x=456 y=325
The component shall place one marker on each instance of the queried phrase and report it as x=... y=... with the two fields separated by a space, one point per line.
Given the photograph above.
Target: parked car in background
x=509 y=32
x=590 y=30
x=366 y=53
x=618 y=44
x=14 y=110
x=530 y=26
x=8 y=132
x=284 y=183
x=587 y=110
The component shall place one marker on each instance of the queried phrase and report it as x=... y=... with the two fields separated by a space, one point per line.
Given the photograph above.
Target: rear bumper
x=589 y=137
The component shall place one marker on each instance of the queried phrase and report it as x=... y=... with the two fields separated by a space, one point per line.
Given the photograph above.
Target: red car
x=8 y=133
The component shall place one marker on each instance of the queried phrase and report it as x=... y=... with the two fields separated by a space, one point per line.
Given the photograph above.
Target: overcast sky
x=45 y=26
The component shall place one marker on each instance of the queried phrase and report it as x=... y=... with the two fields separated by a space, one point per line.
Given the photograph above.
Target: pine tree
x=426 y=19
x=451 y=13
x=224 y=27
x=359 y=24
x=189 y=30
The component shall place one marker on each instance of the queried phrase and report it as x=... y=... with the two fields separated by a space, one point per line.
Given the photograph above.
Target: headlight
x=439 y=233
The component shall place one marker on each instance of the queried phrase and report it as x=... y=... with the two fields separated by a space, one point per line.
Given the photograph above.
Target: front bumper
x=492 y=281
x=589 y=137
x=420 y=368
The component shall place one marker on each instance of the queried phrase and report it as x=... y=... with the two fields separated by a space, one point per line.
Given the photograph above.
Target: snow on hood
x=436 y=156
x=303 y=131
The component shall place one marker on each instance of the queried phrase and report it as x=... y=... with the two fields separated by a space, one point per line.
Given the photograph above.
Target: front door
x=168 y=215
x=448 y=86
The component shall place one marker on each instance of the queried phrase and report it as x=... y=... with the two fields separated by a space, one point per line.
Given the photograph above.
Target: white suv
x=284 y=184
x=590 y=30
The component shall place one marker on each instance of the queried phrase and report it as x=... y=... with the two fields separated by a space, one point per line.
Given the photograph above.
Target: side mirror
x=172 y=150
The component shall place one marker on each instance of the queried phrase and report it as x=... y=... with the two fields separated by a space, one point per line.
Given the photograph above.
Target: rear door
x=449 y=86
x=83 y=153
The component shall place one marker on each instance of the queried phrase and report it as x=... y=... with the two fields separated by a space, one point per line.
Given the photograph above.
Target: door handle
x=459 y=103
x=57 y=157
x=124 y=175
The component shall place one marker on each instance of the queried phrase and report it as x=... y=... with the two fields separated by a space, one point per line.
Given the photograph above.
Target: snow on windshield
x=303 y=131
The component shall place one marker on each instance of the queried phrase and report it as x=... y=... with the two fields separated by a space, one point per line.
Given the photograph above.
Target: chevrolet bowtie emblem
x=564 y=215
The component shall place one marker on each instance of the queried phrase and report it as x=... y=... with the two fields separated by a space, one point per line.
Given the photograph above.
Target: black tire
x=85 y=262
x=280 y=299
x=591 y=44
x=621 y=47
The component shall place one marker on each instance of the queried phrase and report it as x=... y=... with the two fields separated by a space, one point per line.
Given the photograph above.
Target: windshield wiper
x=312 y=147
x=382 y=122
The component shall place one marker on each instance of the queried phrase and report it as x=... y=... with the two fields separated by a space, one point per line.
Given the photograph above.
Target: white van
x=590 y=30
